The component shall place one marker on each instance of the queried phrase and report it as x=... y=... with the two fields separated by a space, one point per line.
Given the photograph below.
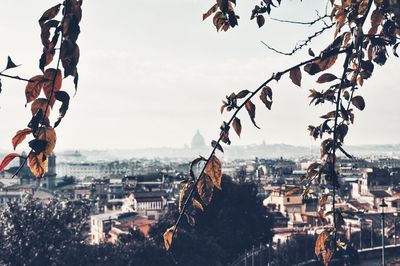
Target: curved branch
x=338 y=100
x=276 y=77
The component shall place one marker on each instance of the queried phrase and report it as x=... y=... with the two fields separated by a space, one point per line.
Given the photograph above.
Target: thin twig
x=15 y=77
x=21 y=165
x=301 y=22
x=302 y=43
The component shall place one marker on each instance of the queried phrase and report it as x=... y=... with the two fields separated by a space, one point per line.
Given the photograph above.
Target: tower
x=50 y=176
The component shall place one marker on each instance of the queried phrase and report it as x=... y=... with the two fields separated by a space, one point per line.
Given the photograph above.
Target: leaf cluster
x=55 y=32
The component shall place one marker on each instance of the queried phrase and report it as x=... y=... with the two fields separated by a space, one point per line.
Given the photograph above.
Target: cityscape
x=199 y=133
x=134 y=193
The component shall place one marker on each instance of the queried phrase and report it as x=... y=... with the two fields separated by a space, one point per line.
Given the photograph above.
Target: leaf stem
x=15 y=77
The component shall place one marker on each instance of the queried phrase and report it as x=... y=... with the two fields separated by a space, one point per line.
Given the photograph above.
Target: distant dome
x=198 y=141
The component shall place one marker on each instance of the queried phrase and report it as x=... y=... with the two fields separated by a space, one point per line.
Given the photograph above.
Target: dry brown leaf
x=38 y=104
x=32 y=89
x=214 y=171
x=205 y=188
x=48 y=134
x=168 y=237
x=37 y=164
x=295 y=76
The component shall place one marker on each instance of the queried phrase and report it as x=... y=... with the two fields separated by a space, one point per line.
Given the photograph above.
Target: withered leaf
x=326 y=77
x=71 y=28
x=237 y=126
x=48 y=134
x=46 y=58
x=251 y=109
x=295 y=76
x=33 y=88
x=211 y=11
x=69 y=54
x=168 y=237
x=328 y=115
x=324 y=246
x=342 y=130
x=216 y=145
x=346 y=95
x=63 y=97
x=184 y=193
x=49 y=14
x=45 y=32
x=266 y=96
x=52 y=84
x=242 y=94
x=205 y=189
x=260 y=20
x=6 y=161
x=310 y=52
x=320 y=65
x=20 y=136
x=358 y=101
x=214 y=170
x=198 y=205
x=194 y=163
x=38 y=164
x=40 y=104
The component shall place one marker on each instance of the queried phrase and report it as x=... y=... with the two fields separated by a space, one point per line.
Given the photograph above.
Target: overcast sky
x=152 y=73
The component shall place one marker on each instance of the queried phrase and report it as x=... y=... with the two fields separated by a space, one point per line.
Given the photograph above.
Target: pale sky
x=152 y=73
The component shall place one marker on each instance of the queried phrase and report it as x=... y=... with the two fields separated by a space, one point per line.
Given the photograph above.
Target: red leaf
x=7 y=160
x=20 y=136
x=51 y=74
x=295 y=76
x=32 y=89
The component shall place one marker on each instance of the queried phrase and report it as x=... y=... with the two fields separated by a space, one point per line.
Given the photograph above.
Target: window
x=287 y=199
